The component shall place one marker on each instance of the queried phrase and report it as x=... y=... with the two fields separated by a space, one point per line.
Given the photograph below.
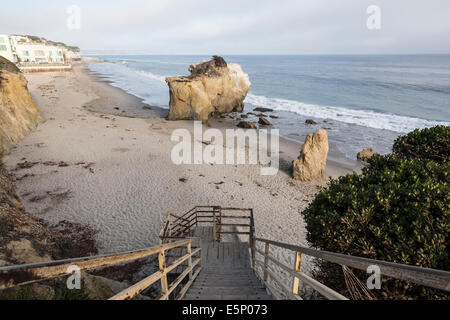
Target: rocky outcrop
x=213 y=87
x=264 y=122
x=18 y=113
x=247 y=125
x=312 y=161
x=365 y=155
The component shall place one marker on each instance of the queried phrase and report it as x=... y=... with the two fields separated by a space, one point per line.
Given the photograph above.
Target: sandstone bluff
x=213 y=87
x=18 y=113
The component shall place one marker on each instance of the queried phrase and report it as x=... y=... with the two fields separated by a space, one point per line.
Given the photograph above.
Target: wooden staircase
x=212 y=253
x=227 y=273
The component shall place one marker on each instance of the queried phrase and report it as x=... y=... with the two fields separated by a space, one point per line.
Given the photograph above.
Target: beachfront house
x=33 y=54
x=31 y=50
x=6 y=48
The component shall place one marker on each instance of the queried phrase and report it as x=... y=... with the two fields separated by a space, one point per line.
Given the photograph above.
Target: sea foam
x=365 y=118
x=122 y=77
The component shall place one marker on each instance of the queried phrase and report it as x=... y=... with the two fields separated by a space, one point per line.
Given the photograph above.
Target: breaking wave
x=365 y=118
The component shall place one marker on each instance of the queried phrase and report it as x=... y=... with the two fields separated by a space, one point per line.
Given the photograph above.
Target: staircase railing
x=270 y=266
x=178 y=227
x=13 y=276
x=437 y=279
x=177 y=234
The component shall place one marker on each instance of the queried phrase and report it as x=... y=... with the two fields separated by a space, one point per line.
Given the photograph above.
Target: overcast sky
x=237 y=26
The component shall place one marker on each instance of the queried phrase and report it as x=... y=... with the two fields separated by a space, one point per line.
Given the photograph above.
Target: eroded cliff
x=18 y=112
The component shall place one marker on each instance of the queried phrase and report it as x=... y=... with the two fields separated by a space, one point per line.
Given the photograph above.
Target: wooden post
x=196 y=217
x=200 y=246
x=189 y=252
x=220 y=224
x=252 y=238
x=214 y=226
x=162 y=268
x=297 y=267
x=266 y=261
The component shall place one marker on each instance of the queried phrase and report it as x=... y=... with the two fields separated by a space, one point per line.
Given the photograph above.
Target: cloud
x=239 y=26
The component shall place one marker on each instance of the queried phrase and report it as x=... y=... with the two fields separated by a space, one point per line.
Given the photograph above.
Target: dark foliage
x=397 y=210
x=431 y=144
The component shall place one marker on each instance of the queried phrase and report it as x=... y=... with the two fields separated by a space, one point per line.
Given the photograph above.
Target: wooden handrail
x=423 y=276
x=322 y=289
x=12 y=276
x=185 y=223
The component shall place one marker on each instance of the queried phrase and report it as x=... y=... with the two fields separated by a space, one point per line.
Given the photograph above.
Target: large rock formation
x=18 y=113
x=312 y=161
x=213 y=87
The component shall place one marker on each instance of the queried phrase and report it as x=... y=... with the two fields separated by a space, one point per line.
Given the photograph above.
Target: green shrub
x=427 y=144
x=397 y=210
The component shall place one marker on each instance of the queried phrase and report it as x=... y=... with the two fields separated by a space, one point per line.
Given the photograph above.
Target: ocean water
x=363 y=101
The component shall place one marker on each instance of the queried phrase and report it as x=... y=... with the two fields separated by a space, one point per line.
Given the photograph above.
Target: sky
x=235 y=26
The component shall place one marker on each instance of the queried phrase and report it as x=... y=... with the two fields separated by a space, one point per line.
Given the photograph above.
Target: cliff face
x=23 y=239
x=18 y=113
x=213 y=87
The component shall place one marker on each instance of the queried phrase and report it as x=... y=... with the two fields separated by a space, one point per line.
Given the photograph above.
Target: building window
x=3 y=47
x=39 y=53
x=2 y=40
x=50 y=53
x=60 y=53
x=26 y=53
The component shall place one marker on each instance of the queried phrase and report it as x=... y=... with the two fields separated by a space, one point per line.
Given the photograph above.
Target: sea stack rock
x=18 y=113
x=213 y=87
x=312 y=161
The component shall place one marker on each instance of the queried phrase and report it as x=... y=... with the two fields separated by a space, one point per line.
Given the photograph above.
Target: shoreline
x=113 y=172
x=335 y=164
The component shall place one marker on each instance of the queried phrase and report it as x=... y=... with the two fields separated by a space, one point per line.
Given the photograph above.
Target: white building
x=29 y=51
x=34 y=54
x=6 y=49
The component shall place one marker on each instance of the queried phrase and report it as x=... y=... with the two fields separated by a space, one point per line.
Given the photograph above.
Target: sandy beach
x=102 y=158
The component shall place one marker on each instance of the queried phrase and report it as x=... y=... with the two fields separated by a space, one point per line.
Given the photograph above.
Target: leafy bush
x=427 y=144
x=397 y=210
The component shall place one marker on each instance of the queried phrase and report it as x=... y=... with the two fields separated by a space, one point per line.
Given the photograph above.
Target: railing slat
x=138 y=287
x=297 y=268
x=179 y=279
x=22 y=274
x=438 y=279
x=188 y=285
x=147 y=282
x=278 y=281
x=316 y=285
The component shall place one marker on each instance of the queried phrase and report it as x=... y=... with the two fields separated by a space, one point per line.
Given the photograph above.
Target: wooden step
x=226 y=272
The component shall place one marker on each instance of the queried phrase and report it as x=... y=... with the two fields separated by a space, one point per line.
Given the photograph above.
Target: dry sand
x=103 y=159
